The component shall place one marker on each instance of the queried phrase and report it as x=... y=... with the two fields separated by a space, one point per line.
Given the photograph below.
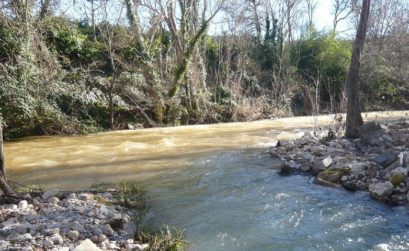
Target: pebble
x=369 y=162
x=73 y=235
x=50 y=193
x=22 y=204
x=63 y=225
x=53 y=200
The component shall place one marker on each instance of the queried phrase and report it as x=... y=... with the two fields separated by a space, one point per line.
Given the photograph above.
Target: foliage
x=62 y=75
x=166 y=240
x=323 y=59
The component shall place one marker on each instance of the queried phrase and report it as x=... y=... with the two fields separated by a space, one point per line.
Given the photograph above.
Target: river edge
x=376 y=162
x=92 y=220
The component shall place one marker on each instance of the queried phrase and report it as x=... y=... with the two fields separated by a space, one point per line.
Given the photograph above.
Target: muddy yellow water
x=80 y=161
x=215 y=182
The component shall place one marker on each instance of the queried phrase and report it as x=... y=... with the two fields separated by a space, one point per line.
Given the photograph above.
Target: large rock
x=331 y=176
x=400 y=170
x=404 y=159
x=396 y=179
x=87 y=245
x=327 y=161
x=385 y=159
x=50 y=193
x=370 y=127
x=381 y=190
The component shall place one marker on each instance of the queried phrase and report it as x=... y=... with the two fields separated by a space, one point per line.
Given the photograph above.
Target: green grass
x=166 y=240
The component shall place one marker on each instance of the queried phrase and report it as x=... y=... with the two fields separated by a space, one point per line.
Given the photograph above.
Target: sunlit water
x=215 y=182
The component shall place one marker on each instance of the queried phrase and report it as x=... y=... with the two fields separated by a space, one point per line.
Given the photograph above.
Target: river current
x=216 y=183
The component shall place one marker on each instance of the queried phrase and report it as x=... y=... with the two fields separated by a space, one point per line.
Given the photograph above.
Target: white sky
x=322 y=17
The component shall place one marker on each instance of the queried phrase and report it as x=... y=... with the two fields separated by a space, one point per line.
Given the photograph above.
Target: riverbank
x=68 y=221
x=83 y=221
x=377 y=162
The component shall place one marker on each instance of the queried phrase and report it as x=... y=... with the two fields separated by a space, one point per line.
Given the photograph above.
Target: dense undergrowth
x=72 y=76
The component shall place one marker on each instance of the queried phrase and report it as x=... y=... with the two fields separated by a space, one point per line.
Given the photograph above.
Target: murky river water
x=216 y=183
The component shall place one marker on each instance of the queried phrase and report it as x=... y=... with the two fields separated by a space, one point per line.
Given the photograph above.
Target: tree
x=4 y=186
x=342 y=9
x=354 y=118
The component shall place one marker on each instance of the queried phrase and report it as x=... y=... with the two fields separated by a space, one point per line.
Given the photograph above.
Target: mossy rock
x=396 y=179
x=333 y=175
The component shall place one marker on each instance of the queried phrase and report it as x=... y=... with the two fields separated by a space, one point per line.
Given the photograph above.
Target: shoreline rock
x=378 y=162
x=68 y=221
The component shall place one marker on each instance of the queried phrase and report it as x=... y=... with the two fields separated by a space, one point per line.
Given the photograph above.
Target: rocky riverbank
x=68 y=221
x=377 y=162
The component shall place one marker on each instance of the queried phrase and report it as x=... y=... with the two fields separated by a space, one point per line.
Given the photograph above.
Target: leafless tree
x=354 y=118
x=311 y=6
x=342 y=10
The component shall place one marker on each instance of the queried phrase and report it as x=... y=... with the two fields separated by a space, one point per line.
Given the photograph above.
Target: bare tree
x=311 y=7
x=342 y=9
x=354 y=118
x=291 y=17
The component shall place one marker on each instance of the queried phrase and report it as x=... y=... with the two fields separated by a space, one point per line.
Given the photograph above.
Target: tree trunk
x=354 y=118
x=4 y=186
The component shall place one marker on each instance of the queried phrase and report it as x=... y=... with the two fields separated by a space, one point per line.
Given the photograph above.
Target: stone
x=350 y=186
x=20 y=237
x=400 y=170
x=398 y=199
x=85 y=196
x=396 y=179
x=51 y=231
x=48 y=243
x=22 y=204
x=107 y=230
x=72 y=196
x=285 y=170
x=277 y=165
x=130 y=126
x=385 y=159
x=28 y=248
x=306 y=168
x=78 y=227
x=73 y=235
x=86 y=245
x=369 y=127
x=356 y=167
x=56 y=239
x=12 y=207
x=327 y=161
x=381 y=190
x=333 y=175
x=135 y=246
x=317 y=167
x=344 y=178
x=50 y=193
x=393 y=165
x=53 y=200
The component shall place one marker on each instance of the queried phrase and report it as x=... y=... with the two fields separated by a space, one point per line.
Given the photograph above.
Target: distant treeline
x=157 y=65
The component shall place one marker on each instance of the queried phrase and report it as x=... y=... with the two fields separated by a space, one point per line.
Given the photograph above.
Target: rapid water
x=234 y=201
x=215 y=182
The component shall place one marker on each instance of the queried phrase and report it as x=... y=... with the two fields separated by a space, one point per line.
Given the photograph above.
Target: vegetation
x=123 y=63
x=130 y=194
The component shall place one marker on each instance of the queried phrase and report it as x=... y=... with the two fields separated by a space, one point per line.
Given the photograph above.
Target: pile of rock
x=378 y=161
x=68 y=221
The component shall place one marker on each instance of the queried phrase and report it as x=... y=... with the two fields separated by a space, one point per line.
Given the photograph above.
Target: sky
x=322 y=18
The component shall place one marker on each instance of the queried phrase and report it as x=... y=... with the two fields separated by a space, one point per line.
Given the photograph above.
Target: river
x=215 y=182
